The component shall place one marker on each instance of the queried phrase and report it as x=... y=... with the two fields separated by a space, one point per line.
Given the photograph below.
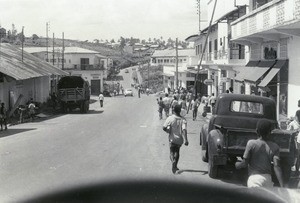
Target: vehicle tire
x=82 y=107
x=212 y=169
x=86 y=106
x=204 y=155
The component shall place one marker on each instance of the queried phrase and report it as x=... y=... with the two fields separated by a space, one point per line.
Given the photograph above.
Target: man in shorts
x=258 y=156
x=167 y=104
x=176 y=126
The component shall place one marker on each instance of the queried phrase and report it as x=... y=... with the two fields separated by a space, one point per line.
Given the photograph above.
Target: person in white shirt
x=101 y=99
x=176 y=127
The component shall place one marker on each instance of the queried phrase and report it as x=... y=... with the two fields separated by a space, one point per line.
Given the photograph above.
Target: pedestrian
x=3 y=116
x=174 y=103
x=212 y=100
x=231 y=90
x=31 y=108
x=176 y=127
x=101 y=99
x=167 y=104
x=54 y=100
x=258 y=157
x=160 y=107
x=139 y=92
x=182 y=102
x=295 y=125
x=195 y=105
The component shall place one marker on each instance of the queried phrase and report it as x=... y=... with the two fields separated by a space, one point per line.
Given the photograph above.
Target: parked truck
x=233 y=124
x=73 y=92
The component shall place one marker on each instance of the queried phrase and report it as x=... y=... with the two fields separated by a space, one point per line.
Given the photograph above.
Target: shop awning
x=254 y=70
x=276 y=68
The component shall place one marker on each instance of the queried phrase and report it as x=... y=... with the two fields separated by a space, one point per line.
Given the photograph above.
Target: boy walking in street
x=258 y=157
x=101 y=99
x=160 y=107
x=176 y=126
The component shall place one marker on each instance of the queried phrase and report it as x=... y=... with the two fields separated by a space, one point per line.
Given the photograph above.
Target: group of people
x=185 y=100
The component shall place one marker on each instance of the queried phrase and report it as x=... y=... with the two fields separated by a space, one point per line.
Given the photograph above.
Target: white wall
x=223 y=7
x=74 y=59
x=294 y=75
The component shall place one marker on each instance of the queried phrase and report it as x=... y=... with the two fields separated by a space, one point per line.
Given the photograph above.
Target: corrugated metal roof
x=68 y=50
x=11 y=64
x=172 y=52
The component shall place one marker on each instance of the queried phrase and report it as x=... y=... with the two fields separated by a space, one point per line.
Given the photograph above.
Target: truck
x=73 y=92
x=233 y=123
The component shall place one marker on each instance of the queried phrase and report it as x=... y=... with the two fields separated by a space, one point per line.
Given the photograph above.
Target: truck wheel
x=212 y=168
x=85 y=107
x=204 y=154
x=82 y=107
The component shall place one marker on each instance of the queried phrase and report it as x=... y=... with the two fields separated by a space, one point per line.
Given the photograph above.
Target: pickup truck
x=233 y=122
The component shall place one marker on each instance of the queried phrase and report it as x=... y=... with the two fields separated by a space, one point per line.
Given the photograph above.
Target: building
x=271 y=30
x=88 y=64
x=221 y=57
x=21 y=80
x=186 y=72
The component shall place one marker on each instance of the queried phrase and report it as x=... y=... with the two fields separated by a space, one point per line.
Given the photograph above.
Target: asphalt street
x=122 y=140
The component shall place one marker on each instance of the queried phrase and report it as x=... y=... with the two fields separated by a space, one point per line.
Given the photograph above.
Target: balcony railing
x=87 y=67
x=271 y=15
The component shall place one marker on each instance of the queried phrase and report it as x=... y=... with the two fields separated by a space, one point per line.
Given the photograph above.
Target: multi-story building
x=271 y=29
x=221 y=58
x=186 y=71
x=88 y=64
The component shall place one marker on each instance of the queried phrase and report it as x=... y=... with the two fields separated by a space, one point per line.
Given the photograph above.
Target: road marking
x=143 y=126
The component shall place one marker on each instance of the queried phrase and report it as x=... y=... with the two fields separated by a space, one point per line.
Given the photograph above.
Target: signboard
x=208 y=82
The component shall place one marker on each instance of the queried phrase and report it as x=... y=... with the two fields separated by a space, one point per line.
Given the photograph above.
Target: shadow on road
x=192 y=171
x=10 y=132
x=95 y=112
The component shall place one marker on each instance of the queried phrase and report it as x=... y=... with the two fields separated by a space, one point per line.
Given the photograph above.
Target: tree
x=112 y=41
x=96 y=41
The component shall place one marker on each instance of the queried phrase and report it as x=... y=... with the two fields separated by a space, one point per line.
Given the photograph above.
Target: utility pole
x=176 y=45
x=47 y=38
x=53 y=50
x=204 y=49
x=199 y=14
x=148 y=73
x=63 y=51
x=22 y=42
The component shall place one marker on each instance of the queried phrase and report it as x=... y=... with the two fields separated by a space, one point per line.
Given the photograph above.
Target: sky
x=102 y=19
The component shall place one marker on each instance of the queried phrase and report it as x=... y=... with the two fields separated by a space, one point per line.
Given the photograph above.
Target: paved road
x=122 y=140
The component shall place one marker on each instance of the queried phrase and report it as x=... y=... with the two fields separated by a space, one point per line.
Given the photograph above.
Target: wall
x=36 y=88
x=294 y=74
x=223 y=7
x=74 y=59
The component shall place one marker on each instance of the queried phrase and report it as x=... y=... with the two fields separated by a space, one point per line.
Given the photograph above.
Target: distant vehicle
x=126 y=71
x=73 y=92
x=128 y=92
x=233 y=123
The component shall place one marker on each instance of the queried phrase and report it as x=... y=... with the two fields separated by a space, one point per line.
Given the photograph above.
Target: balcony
x=88 y=67
x=268 y=22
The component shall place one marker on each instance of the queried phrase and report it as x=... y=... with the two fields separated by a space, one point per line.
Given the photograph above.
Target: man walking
x=3 y=117
x=167 y=104
x=176 y=126
x=160 y=107
x=195 y=105
x=259 y=155
x=101 y=99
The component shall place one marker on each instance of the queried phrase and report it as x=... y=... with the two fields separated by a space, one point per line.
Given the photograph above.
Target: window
x=246 y=107
x=69 y=60
x=184 y=59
